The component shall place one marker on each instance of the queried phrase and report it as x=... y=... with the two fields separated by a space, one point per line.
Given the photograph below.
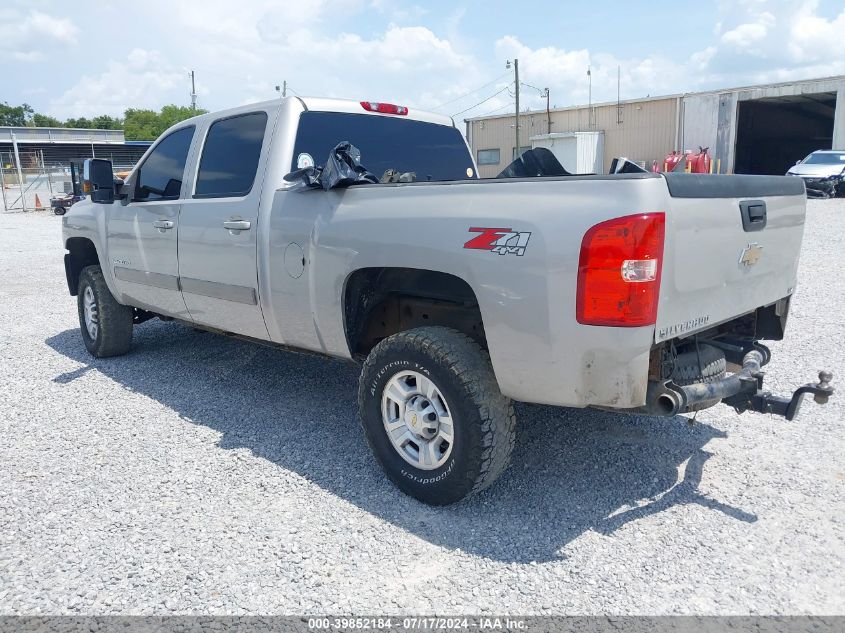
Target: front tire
x=433 y=414
x=106 y=325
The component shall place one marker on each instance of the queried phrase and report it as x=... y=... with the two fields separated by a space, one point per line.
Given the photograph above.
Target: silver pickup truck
x=632 y=292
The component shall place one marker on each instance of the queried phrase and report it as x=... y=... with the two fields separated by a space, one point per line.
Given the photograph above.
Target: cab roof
x=354 y=107
x=320 y=104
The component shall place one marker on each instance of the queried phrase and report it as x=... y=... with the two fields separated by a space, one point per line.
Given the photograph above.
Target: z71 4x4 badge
x=500 y=241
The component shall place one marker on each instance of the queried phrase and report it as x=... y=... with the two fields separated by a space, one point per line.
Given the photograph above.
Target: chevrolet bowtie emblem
x=750 y=254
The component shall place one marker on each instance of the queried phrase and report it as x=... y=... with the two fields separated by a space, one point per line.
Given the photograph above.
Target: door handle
x=237 y=225
x=163 y=225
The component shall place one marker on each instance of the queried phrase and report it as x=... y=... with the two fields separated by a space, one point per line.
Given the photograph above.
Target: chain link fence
x=32 y=183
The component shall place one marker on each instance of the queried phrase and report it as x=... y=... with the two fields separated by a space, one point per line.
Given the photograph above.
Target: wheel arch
x=381 y=301
x=82 y=252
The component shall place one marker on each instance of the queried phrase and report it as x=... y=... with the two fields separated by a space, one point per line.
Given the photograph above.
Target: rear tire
x=449 y=383
x=106 y=325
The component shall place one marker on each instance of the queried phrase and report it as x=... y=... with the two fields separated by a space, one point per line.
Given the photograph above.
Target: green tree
x=172 y=114
x=106 y=122
x=15 y=115
x=141 y=125
x=147 y=125
x=43 y=120
x=81 y=122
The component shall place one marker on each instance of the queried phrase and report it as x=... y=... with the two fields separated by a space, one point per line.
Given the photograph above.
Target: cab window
x=160 y=175
x=433 y=152
x=230 y=156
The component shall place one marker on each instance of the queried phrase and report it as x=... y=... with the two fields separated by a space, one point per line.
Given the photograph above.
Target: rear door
x=719 y=266
x=143 y=230
x=218 y=225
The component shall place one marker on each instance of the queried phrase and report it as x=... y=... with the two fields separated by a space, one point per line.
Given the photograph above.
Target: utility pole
x=618 y=95
x=516 y=85
x=589 y=98
x=20 y=173
x=283 y=89
x=193 y=94
x=548 y=111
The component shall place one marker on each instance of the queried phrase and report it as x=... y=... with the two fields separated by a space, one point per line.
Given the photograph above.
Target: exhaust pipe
x=742 y=390
x=662 y=400
x=667 y=399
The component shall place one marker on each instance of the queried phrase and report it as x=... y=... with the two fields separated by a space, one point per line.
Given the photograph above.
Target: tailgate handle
x=753 y=215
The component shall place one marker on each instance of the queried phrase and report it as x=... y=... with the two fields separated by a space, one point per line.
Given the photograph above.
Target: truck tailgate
x=715 y=267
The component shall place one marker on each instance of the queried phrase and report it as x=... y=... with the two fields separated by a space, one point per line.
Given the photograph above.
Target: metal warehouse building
x=753 y=130
x=61 y=145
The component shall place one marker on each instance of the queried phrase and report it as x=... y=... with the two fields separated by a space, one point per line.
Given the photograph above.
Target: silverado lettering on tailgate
x=680 y=328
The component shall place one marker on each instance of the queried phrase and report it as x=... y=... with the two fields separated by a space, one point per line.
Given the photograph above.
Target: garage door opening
x=773 y=133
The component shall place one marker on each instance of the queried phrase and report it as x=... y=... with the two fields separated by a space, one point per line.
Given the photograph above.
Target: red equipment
x=671 y=161
x=698 y=163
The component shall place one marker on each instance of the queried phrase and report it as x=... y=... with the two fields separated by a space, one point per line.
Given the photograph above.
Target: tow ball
x=765 y=402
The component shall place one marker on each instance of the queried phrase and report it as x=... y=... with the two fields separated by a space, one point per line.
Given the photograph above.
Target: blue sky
x=87 y=57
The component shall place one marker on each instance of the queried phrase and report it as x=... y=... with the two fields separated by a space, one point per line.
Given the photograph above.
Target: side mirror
x=98 y=180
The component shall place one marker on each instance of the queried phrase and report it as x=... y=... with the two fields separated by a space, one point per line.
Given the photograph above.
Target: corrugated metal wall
x=644 y=131
x=649 y=127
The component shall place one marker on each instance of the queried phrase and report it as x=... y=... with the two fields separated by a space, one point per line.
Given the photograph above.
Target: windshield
x=434 y=152
x=825 y=158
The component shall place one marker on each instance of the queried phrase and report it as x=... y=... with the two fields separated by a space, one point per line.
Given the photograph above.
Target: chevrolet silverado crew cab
x=360 y=230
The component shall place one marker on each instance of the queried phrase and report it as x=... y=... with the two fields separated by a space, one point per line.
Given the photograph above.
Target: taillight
x=384 y=108
x=619 y=271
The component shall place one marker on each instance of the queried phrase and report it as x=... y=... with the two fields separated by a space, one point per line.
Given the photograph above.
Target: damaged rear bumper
x=742 y=390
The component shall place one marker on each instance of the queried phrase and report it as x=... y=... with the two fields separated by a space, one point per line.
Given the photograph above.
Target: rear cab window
x=230 y=156
x=434 y=152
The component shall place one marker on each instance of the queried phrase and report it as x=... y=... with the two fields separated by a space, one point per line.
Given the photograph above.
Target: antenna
x=193 y=93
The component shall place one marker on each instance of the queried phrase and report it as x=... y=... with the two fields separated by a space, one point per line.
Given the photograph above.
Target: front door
x=143 y=229
x=218 y=226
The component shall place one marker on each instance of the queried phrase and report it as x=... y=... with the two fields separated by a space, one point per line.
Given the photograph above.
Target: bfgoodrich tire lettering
x=483 y=419
x=112 y=335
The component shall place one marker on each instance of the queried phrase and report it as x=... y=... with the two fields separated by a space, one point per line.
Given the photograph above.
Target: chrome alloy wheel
x=92 y=319
x=417 y=420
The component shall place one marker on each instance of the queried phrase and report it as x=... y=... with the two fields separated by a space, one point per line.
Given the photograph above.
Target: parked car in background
x=823 y=172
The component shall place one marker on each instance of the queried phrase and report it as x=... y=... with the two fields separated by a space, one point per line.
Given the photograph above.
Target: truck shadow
x=573 y=471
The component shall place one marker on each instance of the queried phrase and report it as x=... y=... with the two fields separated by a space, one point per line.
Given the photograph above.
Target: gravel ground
x=204 y=475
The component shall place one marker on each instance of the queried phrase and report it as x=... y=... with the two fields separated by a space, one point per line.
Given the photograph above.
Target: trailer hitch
x=765 y=402
x=743 y=390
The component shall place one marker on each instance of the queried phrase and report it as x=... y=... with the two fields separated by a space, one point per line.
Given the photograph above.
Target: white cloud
x=27 y=35
x=375 y=49
x=137 y=82
x=565 y=73
x=60 y=29
x=701 y=59
x=813 y=38
x=748 y=34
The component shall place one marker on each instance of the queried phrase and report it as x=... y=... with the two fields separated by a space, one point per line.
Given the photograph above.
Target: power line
x=480 y=102
x=507 y=105
x=470 y=92
x=530 y=86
